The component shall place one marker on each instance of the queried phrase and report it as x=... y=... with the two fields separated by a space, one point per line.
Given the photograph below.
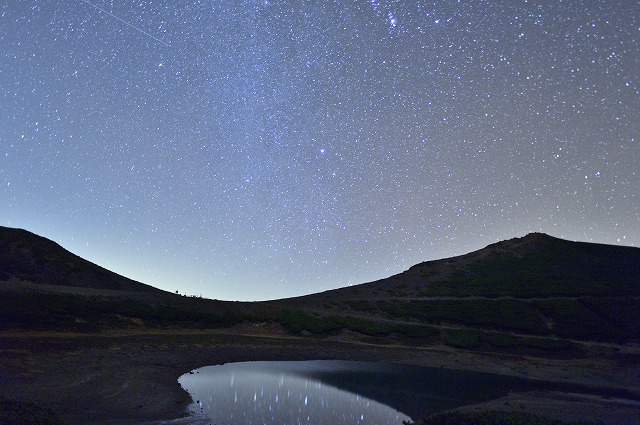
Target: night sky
x=263 y=149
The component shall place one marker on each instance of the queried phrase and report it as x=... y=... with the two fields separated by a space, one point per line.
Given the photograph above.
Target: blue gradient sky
x=263 y=149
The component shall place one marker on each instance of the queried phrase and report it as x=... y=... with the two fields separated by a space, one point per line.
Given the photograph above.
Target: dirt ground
x=567 y=407
x=132 y=377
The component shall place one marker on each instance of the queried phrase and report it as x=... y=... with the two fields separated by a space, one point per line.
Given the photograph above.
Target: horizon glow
x=257 y=150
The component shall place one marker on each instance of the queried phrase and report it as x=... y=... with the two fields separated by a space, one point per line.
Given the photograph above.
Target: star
x=254 y=151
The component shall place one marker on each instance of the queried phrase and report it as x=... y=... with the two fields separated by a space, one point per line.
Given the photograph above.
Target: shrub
x=298 y=321
x=366 y=327
x=500 y=339
x=416 y=331
x=622 y=312
x=463 y=338
x=362 y=305
x=549 y=344
x=572 y=320
x=503 y=314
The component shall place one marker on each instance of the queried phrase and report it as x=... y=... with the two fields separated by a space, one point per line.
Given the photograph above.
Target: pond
x=282 y=393
x=337 y=392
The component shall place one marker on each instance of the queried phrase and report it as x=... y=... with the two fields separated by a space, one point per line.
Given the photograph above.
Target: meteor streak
x=125 y=22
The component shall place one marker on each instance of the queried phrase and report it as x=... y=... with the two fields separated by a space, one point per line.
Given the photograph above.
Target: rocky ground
x=127 y=377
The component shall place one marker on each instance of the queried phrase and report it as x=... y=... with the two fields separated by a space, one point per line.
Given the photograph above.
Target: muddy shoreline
x=132 y=378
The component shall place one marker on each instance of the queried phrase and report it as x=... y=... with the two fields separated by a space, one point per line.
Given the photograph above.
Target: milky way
x=263 y=149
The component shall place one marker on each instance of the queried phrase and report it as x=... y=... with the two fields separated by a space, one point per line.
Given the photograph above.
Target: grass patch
x=550 y=267
x=89 y=313
x=463 y=338
x=608 y=319
x=573 y=320
x=365 y=327
x=548 y=344
x=393 y=308
x=399 y=290
x=500 y=340
x=421 y=332
x=501 y=314
x=621 y=312
x=361 y=305
x=299 y=321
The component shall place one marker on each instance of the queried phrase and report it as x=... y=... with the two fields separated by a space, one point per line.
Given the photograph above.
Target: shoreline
x=130 y=377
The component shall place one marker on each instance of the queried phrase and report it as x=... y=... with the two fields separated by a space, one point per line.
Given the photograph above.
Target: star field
x=263 y=149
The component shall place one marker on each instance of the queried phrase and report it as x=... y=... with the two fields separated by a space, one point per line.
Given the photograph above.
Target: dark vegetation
x=492 y=417
x=300 y=321
x=502 y=314
x=535 y=296
x=60 y=311
x=539 y=265
x=32 y=258
x=65 y=312
x=532 y=295
x=604 y=319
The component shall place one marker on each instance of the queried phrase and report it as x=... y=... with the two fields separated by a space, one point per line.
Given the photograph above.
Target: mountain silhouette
x=536 y=285
x=25 y=256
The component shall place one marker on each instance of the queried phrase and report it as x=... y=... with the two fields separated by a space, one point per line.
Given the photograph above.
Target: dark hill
x=533 y=266
x=520 y=294
x=534 y=285
x=25 y=256
x=537 y=265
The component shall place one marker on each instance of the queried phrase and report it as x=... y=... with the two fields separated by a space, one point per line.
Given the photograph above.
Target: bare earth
x=131 y=377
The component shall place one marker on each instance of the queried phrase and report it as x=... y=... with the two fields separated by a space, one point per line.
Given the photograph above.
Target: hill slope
x=532 y=292
x=534 y=285
x=534 y=266
x=27 y=257
x=538 y=265
x=93 y=344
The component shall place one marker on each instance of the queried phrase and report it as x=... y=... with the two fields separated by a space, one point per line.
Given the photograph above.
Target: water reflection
x=281 y=393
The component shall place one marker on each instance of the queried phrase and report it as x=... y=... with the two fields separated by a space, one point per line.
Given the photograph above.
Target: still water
x=282 y=393
x=338 y=392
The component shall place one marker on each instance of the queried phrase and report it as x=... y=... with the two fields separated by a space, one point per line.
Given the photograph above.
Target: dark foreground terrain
x=133 y=377
x=86 y=345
